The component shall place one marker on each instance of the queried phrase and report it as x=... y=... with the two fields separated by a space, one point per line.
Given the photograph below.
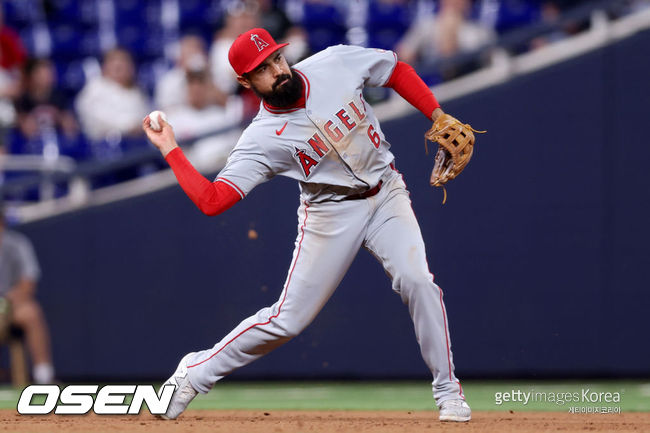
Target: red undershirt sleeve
x=212 y=198
x=410 y=86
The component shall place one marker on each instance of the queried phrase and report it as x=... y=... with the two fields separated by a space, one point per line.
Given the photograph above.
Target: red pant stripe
x=302 y=229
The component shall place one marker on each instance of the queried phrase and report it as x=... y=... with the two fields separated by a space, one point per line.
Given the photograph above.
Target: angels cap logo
x=259 y=42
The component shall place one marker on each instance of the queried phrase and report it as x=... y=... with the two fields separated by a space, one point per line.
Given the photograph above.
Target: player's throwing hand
x=164 y=139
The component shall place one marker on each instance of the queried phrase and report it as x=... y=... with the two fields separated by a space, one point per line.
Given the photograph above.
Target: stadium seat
x=387 y=23
x=142 y=43
x=137 y=13
x=325 y=23
x=81 y=13
x=76 y=147
x=22 y=13
x=70 y=76
x=27 y=37
x=149 y=73
x=516 y=13
x=70 y=43
x=193 y=12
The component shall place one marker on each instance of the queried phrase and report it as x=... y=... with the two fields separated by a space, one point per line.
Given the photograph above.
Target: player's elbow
x=214 y=202
x=210 y=210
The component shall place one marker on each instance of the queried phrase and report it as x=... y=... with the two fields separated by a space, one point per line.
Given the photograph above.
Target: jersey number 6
x=374 y=137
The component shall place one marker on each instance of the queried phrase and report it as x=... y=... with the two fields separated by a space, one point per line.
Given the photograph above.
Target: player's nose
x=277 y=70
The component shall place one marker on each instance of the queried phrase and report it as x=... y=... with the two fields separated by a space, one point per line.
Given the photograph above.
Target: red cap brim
x=261 y=57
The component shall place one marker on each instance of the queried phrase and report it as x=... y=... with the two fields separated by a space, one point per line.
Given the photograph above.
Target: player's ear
x=244 y=81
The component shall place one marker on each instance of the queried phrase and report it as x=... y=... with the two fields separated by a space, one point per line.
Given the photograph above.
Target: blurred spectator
x=201 y=117
x=443 y=35
x=44 y=114
x=637 y=5
x=112 y=104
x=551 y=14
x=275 y=20
x=298 y=47
x=12 y=58
x=171 y=89
x=12 y=49
x=19 y=273
x=240 y=17
x=507 y=15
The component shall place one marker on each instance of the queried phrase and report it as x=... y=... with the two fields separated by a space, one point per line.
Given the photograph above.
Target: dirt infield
x=322 y=421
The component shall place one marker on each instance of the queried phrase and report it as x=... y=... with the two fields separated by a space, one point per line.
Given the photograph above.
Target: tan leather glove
x=456 y=146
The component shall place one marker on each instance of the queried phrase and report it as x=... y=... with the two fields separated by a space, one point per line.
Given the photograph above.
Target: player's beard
x=284 y=95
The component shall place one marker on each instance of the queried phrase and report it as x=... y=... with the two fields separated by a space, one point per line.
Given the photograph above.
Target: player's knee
x=406 y=285
x=290 y=327
x=292 y=330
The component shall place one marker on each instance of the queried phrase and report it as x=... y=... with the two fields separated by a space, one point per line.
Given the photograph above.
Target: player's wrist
x=437 y=112
x=167 y=150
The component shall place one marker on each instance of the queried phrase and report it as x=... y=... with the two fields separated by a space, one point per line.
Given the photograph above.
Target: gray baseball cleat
x=184 y=393
x=455 y=410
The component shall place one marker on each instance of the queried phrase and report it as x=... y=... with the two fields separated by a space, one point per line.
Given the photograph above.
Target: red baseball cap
x=250 y=49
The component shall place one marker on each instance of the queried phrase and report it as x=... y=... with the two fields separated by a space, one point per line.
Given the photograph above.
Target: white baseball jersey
x=332 y=148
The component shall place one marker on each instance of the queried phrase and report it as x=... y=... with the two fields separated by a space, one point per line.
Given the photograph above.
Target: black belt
x=369 y=193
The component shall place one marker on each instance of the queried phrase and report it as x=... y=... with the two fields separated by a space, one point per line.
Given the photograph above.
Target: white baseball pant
x=329 y=236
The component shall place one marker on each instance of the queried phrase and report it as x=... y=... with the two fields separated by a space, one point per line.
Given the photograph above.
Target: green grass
x=635 y=395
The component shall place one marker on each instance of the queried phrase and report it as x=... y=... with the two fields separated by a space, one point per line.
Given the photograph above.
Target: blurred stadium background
x=541 y=249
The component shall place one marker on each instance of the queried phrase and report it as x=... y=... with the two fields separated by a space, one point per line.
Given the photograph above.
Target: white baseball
x=154 y=120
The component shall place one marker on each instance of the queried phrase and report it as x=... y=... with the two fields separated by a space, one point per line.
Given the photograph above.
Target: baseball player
x=315 y=126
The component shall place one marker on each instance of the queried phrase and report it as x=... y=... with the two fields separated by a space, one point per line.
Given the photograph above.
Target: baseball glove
x=456 y=145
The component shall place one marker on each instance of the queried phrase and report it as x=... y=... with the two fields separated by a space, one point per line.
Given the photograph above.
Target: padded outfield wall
x=542 y=250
